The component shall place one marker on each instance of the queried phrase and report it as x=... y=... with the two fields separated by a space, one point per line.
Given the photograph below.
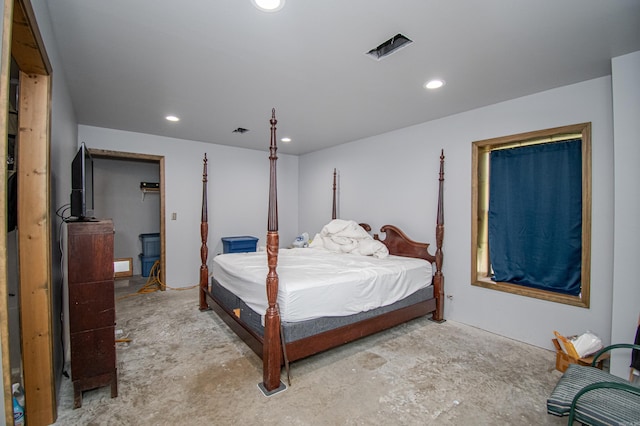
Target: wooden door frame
x=21 y=40
x=159 y=159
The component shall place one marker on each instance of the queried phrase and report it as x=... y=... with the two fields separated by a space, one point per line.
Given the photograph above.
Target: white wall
x=392 y=178
x=626 y=291
x=237 y=194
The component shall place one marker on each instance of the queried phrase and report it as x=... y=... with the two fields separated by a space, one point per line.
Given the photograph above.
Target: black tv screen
x=82 y=184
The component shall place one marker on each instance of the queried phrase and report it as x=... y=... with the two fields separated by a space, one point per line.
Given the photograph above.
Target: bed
x=384 y=290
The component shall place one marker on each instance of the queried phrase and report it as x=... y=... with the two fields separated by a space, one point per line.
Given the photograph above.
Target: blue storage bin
x=147 y=263
x=242 y=244
x=150 y=244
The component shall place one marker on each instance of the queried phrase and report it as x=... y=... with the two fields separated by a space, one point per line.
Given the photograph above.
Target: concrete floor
x=184 y=366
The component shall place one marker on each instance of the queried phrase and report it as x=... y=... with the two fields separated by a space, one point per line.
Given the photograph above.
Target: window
x=558 y=226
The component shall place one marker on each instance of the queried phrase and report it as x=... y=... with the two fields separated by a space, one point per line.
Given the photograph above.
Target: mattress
x=315 y=283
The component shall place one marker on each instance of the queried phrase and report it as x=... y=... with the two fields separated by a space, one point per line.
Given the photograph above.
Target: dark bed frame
x=270 y=346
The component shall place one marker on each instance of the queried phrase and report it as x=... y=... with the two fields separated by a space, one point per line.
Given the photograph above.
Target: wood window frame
x=480 y=262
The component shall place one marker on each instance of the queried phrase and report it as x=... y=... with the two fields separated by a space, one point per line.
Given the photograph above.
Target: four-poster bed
x=279 y=332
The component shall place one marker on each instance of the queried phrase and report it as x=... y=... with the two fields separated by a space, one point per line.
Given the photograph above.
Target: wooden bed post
x=204 y=233
x=272 y=349
x=334 y=213
x=438 y=279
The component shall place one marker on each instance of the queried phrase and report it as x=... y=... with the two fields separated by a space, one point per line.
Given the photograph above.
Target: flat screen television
x=82 y=185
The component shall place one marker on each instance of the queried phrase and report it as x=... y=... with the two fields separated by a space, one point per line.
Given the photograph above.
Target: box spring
x=294 y=331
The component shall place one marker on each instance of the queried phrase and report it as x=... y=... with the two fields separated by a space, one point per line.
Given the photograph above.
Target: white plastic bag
x=586 y=344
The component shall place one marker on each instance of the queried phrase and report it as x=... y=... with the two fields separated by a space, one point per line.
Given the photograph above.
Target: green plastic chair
x=595 y=397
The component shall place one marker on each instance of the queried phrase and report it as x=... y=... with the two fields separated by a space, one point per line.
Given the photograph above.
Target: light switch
x=174 y=216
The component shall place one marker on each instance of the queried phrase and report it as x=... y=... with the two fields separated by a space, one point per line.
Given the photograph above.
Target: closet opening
x=132 y=171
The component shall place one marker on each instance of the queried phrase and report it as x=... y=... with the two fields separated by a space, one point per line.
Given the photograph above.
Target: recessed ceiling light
x=268 y=5
x=434 y=84
x=172 y=118
x=286 y=140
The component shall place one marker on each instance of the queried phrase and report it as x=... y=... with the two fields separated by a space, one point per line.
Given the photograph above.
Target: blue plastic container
x=242 y=244
x=150 y=244
x=147 y=263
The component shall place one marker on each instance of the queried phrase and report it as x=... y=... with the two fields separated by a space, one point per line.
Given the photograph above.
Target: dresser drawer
x=91 y=305
x=93 y=352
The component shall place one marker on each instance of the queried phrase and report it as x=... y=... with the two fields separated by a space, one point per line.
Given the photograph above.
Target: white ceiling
x=223 y=64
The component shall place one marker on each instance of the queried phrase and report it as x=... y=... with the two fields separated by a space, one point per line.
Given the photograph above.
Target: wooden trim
x=34 y=247
x=528 y=292
x=586 y=216
x=5 y=64
x=27 y=46
x=122 y=155
x=21 y=40
x=163 y=230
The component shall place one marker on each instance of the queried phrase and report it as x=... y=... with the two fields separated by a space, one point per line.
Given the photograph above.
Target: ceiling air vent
x=389 y=46
x=240 y=130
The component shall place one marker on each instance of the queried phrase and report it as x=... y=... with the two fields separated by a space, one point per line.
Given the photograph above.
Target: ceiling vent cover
x=388 y=47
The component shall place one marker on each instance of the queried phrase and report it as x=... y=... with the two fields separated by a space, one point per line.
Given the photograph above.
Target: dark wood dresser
x=92 y=313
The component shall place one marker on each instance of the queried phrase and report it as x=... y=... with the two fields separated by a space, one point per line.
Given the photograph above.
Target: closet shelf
x=149 y=191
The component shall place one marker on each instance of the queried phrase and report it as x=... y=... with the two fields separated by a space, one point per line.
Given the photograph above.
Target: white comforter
x=346 y=236
x=318 y=283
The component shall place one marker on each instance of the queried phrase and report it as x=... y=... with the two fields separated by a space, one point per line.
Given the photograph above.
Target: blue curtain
x=535 y=216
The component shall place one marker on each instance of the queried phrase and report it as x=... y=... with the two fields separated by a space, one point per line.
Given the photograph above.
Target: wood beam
x=34 y=248
x=21 y=40
x=27 y=46
x=5 y=64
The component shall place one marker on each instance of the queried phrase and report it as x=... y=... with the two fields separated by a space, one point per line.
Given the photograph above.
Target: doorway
x=21 y=41
x=144 y=193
